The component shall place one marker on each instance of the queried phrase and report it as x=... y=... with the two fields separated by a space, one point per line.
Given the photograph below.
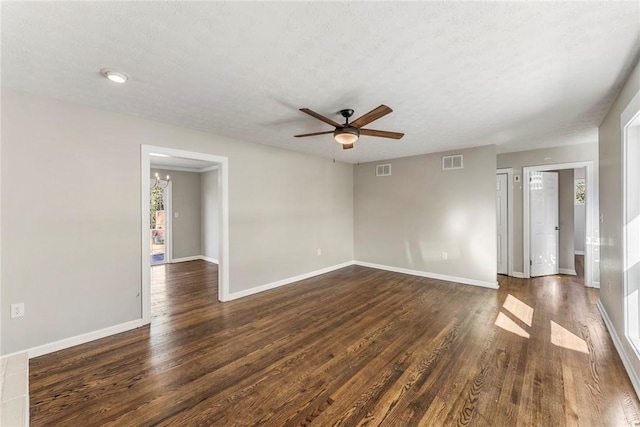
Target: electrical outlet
x=444 y=255
x=17 y=310
x=319 y=251
x=177 y=214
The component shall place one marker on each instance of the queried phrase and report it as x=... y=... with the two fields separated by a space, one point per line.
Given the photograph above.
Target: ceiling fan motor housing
x=346 y=113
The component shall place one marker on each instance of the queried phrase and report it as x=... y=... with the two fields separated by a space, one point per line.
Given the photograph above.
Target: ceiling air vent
x=383 y=170
x=452 y=162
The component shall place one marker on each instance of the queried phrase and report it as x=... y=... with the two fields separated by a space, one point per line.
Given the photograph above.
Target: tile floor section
x=14 y=390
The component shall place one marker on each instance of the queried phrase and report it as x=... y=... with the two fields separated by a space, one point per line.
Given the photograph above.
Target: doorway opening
x=171 y=158
x=160 y=221
x=537 y=236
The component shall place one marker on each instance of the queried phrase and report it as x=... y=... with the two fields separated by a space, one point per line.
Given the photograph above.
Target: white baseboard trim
x=194 y=258
x=127 y=326
x=578 y=252
x=288 y=281
x=84 y=338
x=123 y=327
x=465 y=281
x=635 y=381
x=568 y=271
x=186 y=258
x=8 y=355
x=518 y=274
x=595 y=285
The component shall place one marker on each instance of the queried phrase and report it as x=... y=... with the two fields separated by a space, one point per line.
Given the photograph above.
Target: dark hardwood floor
x=357 y=346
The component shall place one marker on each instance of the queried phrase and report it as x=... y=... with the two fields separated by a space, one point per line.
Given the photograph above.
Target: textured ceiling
x=518 y=75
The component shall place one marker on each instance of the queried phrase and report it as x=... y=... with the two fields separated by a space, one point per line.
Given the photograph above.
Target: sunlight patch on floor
x=509 y=325
x=561 y=337
x=519 y=309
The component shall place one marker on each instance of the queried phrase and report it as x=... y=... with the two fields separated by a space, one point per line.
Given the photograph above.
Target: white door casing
x=543 y=187
x=502 y=223
x=223 y=244
x=592 y=231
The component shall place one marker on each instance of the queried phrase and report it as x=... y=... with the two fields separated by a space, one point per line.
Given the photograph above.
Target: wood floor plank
x=355 y=347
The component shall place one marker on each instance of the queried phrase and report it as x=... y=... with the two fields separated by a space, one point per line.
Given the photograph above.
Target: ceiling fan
x=348 y=133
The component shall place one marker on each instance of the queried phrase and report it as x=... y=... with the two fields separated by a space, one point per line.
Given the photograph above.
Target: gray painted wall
x=566 y=255
x=185 y=200
x=408 y=219
x=544 y=156
x=71 y=214
x=611 y=252
x=579 y=216
x=210 y=214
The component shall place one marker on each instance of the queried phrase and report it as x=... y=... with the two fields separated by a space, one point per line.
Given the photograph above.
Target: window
x=630 y=120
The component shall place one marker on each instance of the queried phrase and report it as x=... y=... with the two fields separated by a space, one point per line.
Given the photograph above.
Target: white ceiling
x=520 y=75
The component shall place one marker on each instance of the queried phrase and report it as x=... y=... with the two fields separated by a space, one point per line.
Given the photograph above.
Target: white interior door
x=543 y=188
x=502 y=223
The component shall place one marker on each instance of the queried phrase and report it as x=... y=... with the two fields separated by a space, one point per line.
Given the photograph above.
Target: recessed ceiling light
x=114 y=76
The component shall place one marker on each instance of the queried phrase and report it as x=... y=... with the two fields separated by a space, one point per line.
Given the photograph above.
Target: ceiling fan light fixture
x=346 y=135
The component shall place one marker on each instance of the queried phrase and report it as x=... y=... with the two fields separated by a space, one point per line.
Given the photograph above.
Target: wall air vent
x=383 y=170
x=452 y=162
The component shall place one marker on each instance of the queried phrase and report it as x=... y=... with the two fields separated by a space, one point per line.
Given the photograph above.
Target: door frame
x=591 y=250
x=223 y=194
x=509 y=173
